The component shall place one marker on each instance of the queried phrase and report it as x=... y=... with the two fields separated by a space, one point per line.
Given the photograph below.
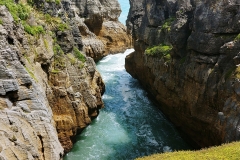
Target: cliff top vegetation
x=225 y=151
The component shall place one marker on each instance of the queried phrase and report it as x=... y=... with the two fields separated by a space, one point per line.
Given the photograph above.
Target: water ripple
x=130 y=125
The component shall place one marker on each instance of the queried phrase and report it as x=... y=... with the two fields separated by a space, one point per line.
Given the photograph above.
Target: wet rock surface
x=197 y=88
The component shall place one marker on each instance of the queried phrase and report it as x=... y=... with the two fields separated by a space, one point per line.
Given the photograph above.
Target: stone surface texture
x=101 y=31
x=27 y=128
x=198 y=88
x=48 y=96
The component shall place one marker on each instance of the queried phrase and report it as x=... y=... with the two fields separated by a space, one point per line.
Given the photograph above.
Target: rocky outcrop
x=198 y=86
x=27 y=127
x=101 y=31
x=49 y=89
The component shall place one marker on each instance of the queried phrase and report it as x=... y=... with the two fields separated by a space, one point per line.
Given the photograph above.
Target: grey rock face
x=27 y=128
x=198 y=86
x=88 y=19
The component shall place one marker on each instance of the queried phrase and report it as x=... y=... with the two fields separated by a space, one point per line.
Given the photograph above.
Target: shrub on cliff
x=159 y=51
x=20 y=13
x=167 y=24
x=79 y=55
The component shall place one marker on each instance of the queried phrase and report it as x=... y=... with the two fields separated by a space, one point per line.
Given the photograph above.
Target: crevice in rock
x=41 y=140
x=45 y=68
x=10 y=40
x=12 y=96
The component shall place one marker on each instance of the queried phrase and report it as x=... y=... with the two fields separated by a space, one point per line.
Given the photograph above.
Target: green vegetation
x=79 y=55
x=224 y=152
x=81 y=65
x=20 y=13
x=1 y=22
x=46 y=44
x=33 y=30
x=62 y=26
x=57 y=50
x=237 y=38
x=55 y=1
x=31 y=74
x=52 y=21
x=159 y=51
x=59 y=62
x=167 y=24
x=71 y=58
x=55 y=71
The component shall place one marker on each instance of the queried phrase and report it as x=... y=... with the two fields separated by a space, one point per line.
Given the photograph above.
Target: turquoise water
x=130 y=125
x=125 y=8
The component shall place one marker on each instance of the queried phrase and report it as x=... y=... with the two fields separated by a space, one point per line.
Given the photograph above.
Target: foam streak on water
x=130 y=125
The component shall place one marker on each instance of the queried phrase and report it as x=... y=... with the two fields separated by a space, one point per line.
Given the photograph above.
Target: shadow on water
x=130 y=125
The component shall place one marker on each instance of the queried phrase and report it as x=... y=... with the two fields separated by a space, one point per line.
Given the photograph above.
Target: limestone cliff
x=49 y=86
x=27 y=129
x=187 y=57
x=101 y=31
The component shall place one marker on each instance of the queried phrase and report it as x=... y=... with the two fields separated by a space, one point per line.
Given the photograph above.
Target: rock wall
x=198 y=86
x=101 y=31
x=50 y=89
x=27 y=128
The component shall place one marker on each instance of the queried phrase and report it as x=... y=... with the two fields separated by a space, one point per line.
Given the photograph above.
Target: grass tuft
x=62 y=26
x=161 y=49
x=33 y=30
x=79 y=55
x=167 y=24
x=237 y=38
x=57 y=50
x=225 y=151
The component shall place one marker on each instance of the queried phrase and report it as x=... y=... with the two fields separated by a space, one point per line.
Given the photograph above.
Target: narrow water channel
x=130 y=125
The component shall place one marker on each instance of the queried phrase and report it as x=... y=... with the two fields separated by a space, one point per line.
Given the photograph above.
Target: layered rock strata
x=27 y=129
x=102 y=33
x=49 y=89
x=195 y=78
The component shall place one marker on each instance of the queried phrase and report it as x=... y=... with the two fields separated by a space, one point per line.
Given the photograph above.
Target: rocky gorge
x=187 y=57
x=49 y=86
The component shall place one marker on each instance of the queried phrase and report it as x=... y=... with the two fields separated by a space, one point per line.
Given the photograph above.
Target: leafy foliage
x=18 y=11
x=167 y=24
x=33 y=30
x=161 y=50
x=237 y=38
x=79 y=55
x=54 y=1
x=57 y=50
x=63 y=26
